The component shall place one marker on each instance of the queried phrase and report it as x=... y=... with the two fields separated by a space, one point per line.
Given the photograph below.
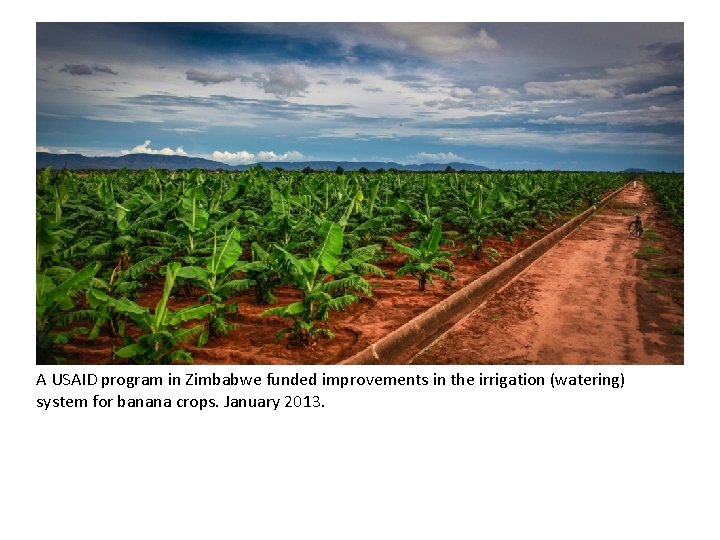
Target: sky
x=575 y=96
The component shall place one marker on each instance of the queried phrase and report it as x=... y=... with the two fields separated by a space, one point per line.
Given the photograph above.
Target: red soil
x=600 y=296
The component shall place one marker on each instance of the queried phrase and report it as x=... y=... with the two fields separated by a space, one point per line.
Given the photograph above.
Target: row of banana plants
x=670 y=188
x=103 y=237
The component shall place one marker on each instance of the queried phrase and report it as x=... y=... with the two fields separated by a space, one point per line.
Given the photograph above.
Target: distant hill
x=146 y=161
x=633 y=170
x=130 y=161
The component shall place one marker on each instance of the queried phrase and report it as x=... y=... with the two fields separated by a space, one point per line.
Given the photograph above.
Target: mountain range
x=146 y=161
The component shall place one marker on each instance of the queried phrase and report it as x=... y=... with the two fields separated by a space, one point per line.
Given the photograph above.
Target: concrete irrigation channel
x=401 y=345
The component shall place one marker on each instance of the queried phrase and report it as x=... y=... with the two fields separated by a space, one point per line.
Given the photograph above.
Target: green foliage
x=360 y=261
x=425 y=260
x=192 y=217
x=217 y=279
x=665 y=272
x=648 y=252
x=311 y=275
x=47 y=240
x=55 y=290
x=317 y=230
x=162 y=328
x=477 y=217
x=493 y=254
x=670 y=190
x=265 y=272
x=121 y=284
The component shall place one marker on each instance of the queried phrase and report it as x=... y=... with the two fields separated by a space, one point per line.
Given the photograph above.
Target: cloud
x=650 y=116
x=206 y=77
x=562 y=139
x=99 y=68
x=283 y=81
x=373 y=90
x=640 y=72
x=352 y=80
x=440 y=157
x=184 y=130
x=587 y=88
x=245 y=157
x=77 y=69
x=292 y=155
x=667 y=51
x=655 y=92
x=42 y=149
x=461 y=92
x=145 y=149
x=84 y=69
x=484 y=101
x=221 y=109
x=492 y=92
x=441 y=39
x=406 y=77
x=565 y=139
x=613 y=82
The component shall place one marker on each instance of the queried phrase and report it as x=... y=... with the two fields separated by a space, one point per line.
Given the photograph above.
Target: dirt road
x=600 y=296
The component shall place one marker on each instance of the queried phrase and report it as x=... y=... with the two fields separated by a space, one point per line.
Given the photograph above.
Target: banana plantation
x=153 y=267
x=670 y=190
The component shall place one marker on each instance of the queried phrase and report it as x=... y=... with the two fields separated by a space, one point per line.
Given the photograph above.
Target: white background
x=423 y=462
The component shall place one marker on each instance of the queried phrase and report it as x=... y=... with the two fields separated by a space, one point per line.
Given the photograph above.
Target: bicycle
x=635 y=227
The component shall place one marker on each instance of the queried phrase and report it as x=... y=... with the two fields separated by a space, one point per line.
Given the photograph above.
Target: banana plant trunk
x=477 y=253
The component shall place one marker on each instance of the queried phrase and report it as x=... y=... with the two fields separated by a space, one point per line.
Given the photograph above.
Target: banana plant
x=423 y=221
x=476 y=219
x=513 y=213
x=360 y=262
x=192 y=218
x=376 y=229
x=320 y=295
x=280 y=220
x=431 y=191
x=423 y=261
x=265 y=272
x=370 y=208
x=55 y=289
x=59 y=185
x=162 y=331
x=218 y=282
x=46 y=239
x=120 y=284
x=119 y=238
x=539 y=194
x=352 y=206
